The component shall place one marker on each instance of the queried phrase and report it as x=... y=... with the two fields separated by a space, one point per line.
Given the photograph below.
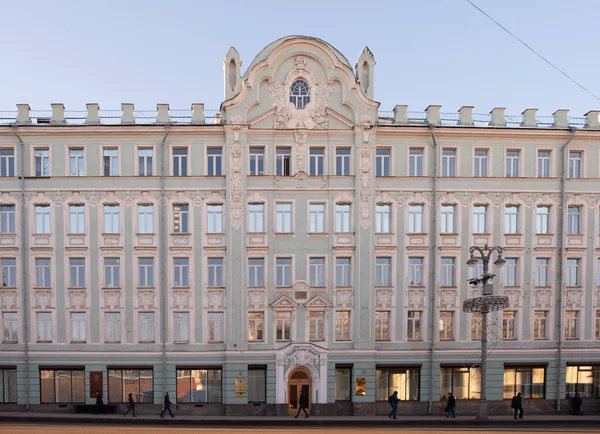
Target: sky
x=441 y=52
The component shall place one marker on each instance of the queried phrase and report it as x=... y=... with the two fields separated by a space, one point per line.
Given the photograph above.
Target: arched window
x=300 y=94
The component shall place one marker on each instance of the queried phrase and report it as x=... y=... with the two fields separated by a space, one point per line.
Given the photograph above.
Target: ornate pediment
x=318 y=301
x=284 y=302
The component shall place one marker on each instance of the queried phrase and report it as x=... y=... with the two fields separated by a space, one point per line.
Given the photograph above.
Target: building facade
x=296 y=239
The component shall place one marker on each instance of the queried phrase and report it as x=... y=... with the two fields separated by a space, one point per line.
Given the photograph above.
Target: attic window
x=300 y=94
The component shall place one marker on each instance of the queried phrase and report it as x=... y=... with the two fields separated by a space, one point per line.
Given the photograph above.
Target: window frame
x=70 y=370
x=214 y=161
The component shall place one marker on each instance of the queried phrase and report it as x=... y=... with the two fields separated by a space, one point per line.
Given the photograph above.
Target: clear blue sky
x=428 y=52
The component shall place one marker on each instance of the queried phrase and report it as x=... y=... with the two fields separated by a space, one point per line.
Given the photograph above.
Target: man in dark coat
x=451 y=404
x=99 y=403
x=302 y=404
x=393 y=400
x=166 y=406
x=131 y=405
x=517 y=405
x=577 y=401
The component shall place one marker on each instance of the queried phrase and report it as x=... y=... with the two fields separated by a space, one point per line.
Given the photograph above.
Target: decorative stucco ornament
x=112 y=300
x=365 y=190
x=8 y=299
x=181 y=299
x=235 y=173
x=301 y=357
x=77 y=300
x=301 y=136
x=43 y=300
x=145 y=299
x=416 y=298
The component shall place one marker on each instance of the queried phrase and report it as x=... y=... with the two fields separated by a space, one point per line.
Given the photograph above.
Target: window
x=77 y=219
x=542 y=220
x=146 y=219
x=145 y=161
x=449 y=162
x=342 y=218
x=255 y=326
x=511 y=219
x=62 y=386
x=44 y=327
x=479 y=219
x=413 y=326
x=342 y=326
x=571 y=324
x=181 y=219
x=463 y=383
x=317 y=161
x=539 y=324
x=214 y=161
x=415 y=219
x=597 y=324
x=541 y=272
x=299 y=94
x=10 y=327
x=256 y=272
x=316 y=325
x=403 y=380
x=528 y=381
x=317 y=217
x=481 y=163
x=317 y=271
x=574 y=220
x=382 y=322
x=9 y=272
x=415 y=162
x=77 y=268
x=110 y=158
x=8 y=380
x=199 y=385
x=113 y=327
x=7 y=162
x=447 y=219
x=215 y=271
x=342 y=161
x=343 y=383
x=146 y=326
x=383 y=219
x=256 y=212
x=42 y=219
x=215 y=219
x=180 y=161
x=447 y=272
x=181 y=272
x=111 y=272
x=283 y=322
x=283 y=161
x=111 y=219
x=146 y=272
x=257 y=384
x=215 y=327
x=7 y=219
x=543 y=164
x=382 y=162
x=575 y=164
x=383 y=275
x=477 y=269
x=476 y=326
x=284 y=217
x=181 y=326
x=283 y=269
x=508 y=324
x=572 y=272
x=138 y=382
x=257 y=161
x=76 y=162
x=512 y=164
x=445 y=325
x=510 y=272
x=42 y=162
x=342 y=271
x=78 y=326
x=415 y=271
x=584 y=380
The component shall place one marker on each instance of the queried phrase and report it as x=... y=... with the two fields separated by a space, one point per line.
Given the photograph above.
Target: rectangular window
x=512 y=164
x=199 y=385
x=342 y=326
x=9 y=272
x=7 y=219
x=181 y=219
x=256 y=272
x=447 y=219
x=42 y=162
x=77 y=269
x=342 y=161
x=510 y=272
x=447 y=272
x=215 y=271
x=449 y=162
x=415 y=271
x=528 y=381
x=479 y=219
x=7 y=162
x=403 y=380
x=146 y=272
x=44 y=327
x=77 y=219
x=8 y=382
x=283 y=161
x=110 y=159
x=574 y=220
x=10 y=327
x=257 y=384
x=138 y=382
x=572 y=272
x=257 y=161
x=284 y=217
x=283 y=321
x=575 y=164
x=415 y=219
x=481 y=163
x=571 y=324
x=62 y=386
x=445 y=325
x=317 y=271
x=113 y=327
x=76 y=162
x=256 y=216
x=42 y=219
x=542 y=220
x=215 y=156
x=476 y=326
x=215 y=219
x=508 y=324
x=541 y=272
x=543 y=164
x=342 y=218
x=78 y=326
x=382 y=162
x=477 y=269
x=383 y=275
x=343 y=383
x=382 y=322
x=145 y=219
x=383 y=219
x=215 y=327
x=181 y=272
x=283 y=269
x=112 y=272
x=539 y=324
x=342 y=271
x=584 y=380
x=317 y=217
x=145 y=161
x=511 y=219
x=146 y=326
x=181 y=326
x=111 y=219
x=255 y=326
x=463 y=383
x=316 y=325
x=180 y=161
x=413 y=325
x=415 y=162
x=317 y=161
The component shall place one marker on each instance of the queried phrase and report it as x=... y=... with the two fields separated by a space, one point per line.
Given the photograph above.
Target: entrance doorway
x=299 y=381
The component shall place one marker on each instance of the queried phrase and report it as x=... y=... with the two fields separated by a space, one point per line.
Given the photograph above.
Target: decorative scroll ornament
x=301 y=357
x=234 y=122
x=145 y=299
x=343 y=298
x=77 y=300
x=8 y=299
x=43 y=300
x=366 y=190
x=383 y=298
x=215 y=299
x=256 y=299
x=235 y=175
x=543 y=298
x=300 y=136
x=416 y=298
x=112 y=300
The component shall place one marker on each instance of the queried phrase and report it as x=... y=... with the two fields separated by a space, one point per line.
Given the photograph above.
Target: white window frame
x=283 y=154
x=416 y=156
x=76 y=162
x=447 y=271
x=145 y=214
x=574 y=220
x=181 y=218
x=8 y=213
x=7 y=162
x=10 y=327
x=181 y=326
x=45 y=327
x=448 y=219
x=112 y=272
x=41 y=161
x=415 y=271
x=181 y=272
x=316 y=325
x=575 y=164
x=147 y=321
x=541 y=272
x=540 y=325
x=343 y=217
x=283 y=326
x=214 y=218
x=316 y=159
x=446 y=325
x=76 y=218
x=215 y=327
x=414 y=319
x=543 y=163
x=343 y=271
x=512 y=163
x=215 y=269
x=343 y=325
x=571 y=324
x=416 y=218
x=113 y=161
x=256 y=324
x=112 y=329
x=449 y=168
x=317 y=215
x=479 y=219
x=180 y=162
x=511 y=219
x=147 y=271
x=283 y=218
x=256 y=272
x=480 y=163
x=343 y=161
x=111 y=219
x=254 y=159
x=79 y=273
x=383 y=271
x=382 y=160
x=142 y=161
x=382 y=325
x=43 y=220
x=43 y=273
x=285 y=270
x=510 y=272
x=256 y=217
x=317 y=271
x=8 y=272
x=509 y=324
x=542 y=219
x=214 y=161
x=383 y=218
x=572 y=272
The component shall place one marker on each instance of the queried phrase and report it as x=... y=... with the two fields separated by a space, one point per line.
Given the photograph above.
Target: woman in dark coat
x=303 y=404
x=577 y=401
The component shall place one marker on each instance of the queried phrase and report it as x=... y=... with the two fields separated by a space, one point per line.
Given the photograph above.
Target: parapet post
x=23 y=113
x=400 y=116
x=498 y=119
x=465 y=115
x=58 y=113
x=592 y=119
x=163 y=117
x=433 y=114
x=561 y=119
x=529 y=119
x=127 y=116
x=198 y=113
x=93 y=114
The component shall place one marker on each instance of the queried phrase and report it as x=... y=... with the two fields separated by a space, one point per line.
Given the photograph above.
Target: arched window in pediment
x=300 y=94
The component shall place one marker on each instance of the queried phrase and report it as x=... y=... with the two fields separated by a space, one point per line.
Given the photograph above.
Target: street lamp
x=484 y=304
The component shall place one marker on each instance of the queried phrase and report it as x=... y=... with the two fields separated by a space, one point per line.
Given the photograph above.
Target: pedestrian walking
x=393 y=400
x=130 y=405
x=99 y=403
x=517 y=405
x=303 y=404
x=167 y=406
x=577 y=401
x=451 y=405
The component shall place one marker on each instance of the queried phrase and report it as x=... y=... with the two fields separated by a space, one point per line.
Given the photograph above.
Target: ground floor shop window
x=138 y=382
x=199 y=385
x=462 y=382
x=343 y=383
x=530 y=381
x=8 y=385
x=257 y=384
x=405 y=381
x=584 y=380
x=62 y=386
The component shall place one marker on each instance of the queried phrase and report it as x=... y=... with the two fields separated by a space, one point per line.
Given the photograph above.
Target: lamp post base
x=482 y=411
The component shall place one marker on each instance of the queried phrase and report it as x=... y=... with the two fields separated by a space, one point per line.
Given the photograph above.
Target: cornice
x=113 y=130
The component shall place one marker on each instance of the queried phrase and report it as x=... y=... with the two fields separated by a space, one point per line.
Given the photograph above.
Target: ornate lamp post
x=485 y=304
